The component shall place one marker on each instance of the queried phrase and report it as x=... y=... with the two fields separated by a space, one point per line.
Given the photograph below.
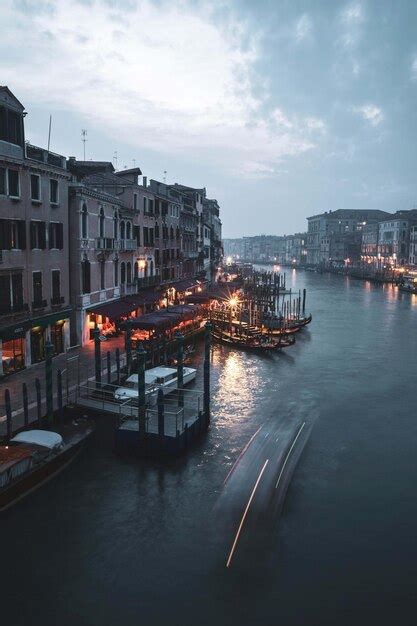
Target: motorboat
x=165 y=378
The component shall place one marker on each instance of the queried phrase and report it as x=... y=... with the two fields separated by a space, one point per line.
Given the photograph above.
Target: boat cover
x=44 y=438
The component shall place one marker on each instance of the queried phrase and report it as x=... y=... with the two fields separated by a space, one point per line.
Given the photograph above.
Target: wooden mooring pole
x=49 y=348
x=25 y=405
x=140 y=361
x=8 y=406
x=180 y=367
x=97 y=356
x=207 y=344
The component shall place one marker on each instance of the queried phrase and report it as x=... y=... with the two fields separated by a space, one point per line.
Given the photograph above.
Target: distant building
x=325 y=243
x=394 y=238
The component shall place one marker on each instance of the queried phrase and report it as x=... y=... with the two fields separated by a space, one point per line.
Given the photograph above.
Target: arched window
x=122 y=230
x=116 y=272
x=128 y=230
x=156 y=230
x=178 y=232
x=101 y=222
x=84 y=221
x=145 y=273
x=85 y=276
x=171 y=232
x=123 y=273
x=115 y=225
x=129 y=272
x=150 y=268
x=136 y=270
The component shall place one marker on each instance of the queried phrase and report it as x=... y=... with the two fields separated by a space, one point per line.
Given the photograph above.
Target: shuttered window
x=38 y=235
x=56 y=235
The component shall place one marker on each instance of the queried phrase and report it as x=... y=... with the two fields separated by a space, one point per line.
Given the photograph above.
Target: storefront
x=49 y=328
x=57 y=336
x=37 y=344
x=13 y=348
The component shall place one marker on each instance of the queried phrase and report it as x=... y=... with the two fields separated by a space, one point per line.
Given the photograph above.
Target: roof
x=114 y=309
x=44 y=438
x=4 y=90
x=360 y=214
x=136 y=171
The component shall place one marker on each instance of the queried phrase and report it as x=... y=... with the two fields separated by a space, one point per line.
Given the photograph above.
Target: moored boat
x=165 y=378
x=34 y=456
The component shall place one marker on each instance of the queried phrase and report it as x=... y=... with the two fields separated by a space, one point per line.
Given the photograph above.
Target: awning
x=185 y=311
x=114 y=309
x=46 y=320
x=184 y=284
x=155 y=321
x=147 y=296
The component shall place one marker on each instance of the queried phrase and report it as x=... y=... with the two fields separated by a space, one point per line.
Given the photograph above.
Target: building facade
x=34 y=252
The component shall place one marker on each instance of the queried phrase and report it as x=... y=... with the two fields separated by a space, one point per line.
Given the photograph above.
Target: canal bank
x=116 y=540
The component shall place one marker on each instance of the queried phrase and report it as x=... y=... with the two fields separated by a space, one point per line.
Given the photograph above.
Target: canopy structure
x=155 y=321
x=44 y=438
x=114 y=309
x=186 y=283
x=186 y=311
x=147 y=296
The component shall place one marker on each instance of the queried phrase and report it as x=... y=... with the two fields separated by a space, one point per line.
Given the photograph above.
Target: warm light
x=233 y=302
x=229 y=260
x=199 y=289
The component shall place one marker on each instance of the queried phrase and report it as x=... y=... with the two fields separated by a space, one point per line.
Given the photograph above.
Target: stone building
x=394 y=238
x=102 y=247
x=34 y=253
x=328 y=227
x=168 y=253
x=211 y=217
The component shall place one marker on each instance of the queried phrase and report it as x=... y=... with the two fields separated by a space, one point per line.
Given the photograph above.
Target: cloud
x=303 y=28
x=414 y=68
x=352 y=18
x=370 y=113
x=167 y=76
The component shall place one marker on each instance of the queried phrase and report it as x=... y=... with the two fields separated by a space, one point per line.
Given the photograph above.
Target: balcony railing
x=105 y=243
x=39 y=304
x=147 y=281
x=57 y=300
x=17 y=308
x=127 y=244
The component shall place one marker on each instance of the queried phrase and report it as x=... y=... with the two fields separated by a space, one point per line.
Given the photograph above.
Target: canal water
x=116 y=541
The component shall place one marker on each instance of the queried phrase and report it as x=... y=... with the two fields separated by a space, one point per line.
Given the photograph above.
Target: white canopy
x=43 y=438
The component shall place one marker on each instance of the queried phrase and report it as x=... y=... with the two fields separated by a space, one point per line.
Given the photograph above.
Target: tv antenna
x=115 y=159
x=165 y=176
x=134 y=162
x=84 y=139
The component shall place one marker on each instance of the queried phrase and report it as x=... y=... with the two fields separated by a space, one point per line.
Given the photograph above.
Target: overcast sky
x=281 y=109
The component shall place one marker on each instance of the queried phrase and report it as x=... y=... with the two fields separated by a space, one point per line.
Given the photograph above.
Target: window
x=11 y=126
x=136 y=234
x=85 y=276
x=128 y=273
x=177 y=234
x=102 y=274
x=156 y=230
x=122 y=230
x=53 y=191
x=2 y=181
x=35 y=187
x=84 y=222
x=37 y=288
x=12 y=234
x=135 y=201
x=136 y=270
x=145 y=205
x=56 y=235
x=38 y=235
x=145 y=236
x=150 y=206
x=115 y=225
x=13 y=183
x=171 y=233
x=123 y=273
x=101 y=219
x=56 y=286
x=128 y=230
x=116 y=272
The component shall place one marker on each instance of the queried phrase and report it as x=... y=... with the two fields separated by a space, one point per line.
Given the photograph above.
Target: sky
x=281 y=109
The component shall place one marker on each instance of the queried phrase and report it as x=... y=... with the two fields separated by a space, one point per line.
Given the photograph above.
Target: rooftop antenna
x=49 y=133
x=115 y=159
x=84 y=139
x=134 y=162
x=165 y=176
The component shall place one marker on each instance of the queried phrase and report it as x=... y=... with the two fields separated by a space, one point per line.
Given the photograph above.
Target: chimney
x=145 y=181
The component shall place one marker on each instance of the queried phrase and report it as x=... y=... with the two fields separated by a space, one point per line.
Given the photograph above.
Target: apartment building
x=34 y=253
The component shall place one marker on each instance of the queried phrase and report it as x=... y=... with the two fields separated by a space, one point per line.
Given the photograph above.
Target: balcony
x=147 y=281
x=39 y=304
x=14 y=310
x=105 y=243
x=57 y=301
x=127 y=244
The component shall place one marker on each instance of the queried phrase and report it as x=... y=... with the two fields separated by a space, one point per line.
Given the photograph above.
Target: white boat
x=165 y=378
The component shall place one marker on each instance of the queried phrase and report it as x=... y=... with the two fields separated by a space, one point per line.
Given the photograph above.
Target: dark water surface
x=113 y=541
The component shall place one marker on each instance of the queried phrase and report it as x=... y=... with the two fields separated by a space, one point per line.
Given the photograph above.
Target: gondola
x=251 y=344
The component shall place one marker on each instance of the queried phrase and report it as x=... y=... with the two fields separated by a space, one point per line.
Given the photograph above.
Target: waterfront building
x=168 y=254
x=412 y=257
x=211 y=215
x=34 y=254
x=295 y=249
x=369 y=245
x=233 y=248
x=192 y=208
x=322 y=248
x=102 y=247
x=394 y=238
